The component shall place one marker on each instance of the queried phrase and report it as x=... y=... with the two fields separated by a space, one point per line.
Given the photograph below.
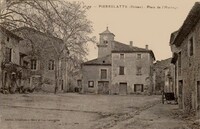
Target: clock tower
x=105 y=43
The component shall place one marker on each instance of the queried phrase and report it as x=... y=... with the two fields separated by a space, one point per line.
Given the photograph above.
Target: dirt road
x=75 y=111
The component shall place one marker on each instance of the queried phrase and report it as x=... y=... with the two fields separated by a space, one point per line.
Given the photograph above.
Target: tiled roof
x=106 y=60
x=121 y=47
x=189 y=23
x=174 y=58
x=173 y=36
x=10 y=33
x=107 y=31
x=28 y=32
x=37 y=31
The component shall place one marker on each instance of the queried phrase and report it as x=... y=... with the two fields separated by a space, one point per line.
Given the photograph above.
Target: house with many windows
x=185 y=46
x=13 y=71
x=47 y=59
x=119 y=69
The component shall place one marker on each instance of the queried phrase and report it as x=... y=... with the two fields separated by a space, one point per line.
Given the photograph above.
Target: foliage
x=65 y=20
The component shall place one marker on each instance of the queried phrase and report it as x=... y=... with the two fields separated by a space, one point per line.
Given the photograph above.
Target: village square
x=47 y=81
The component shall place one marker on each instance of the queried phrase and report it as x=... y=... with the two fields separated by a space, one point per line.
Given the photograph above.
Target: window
x=139 y=56
x=25 y=64
x=21 y=59
x=121 y=70
x=90 y=84
x=191 y=47
x=198 y=94
x=179 y=63
x=103 y=73
x=138 y=88
x=8 y=39
x=121 y=56
x=8 y=54
x=51 y=64
x=139 y=70
x=33 y=64
x=79 y=83
x=105 y=41
x=62 y=85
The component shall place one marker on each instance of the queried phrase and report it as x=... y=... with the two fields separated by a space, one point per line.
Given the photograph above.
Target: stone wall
x=92 y=73
x=45 y=48
x=130 y=63
x=190 y=70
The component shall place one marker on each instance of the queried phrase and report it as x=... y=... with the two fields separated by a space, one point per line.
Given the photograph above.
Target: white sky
x=142 y=26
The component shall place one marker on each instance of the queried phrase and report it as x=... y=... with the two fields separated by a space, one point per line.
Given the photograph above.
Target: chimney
x=131 y=43
x=147 y=47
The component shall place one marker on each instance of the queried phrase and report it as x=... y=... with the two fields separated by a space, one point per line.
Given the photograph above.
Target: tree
x=64 y=20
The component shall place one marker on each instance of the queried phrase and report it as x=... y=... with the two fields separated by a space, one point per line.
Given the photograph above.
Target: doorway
x=103 y=87
x=180 y=93
x=198 y=95
x=123 y=88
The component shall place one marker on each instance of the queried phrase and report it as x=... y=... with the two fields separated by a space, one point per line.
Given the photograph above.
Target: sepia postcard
x=99 y=64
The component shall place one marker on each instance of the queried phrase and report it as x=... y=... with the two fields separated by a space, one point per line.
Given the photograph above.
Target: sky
x=145 y=22
x=141 y=21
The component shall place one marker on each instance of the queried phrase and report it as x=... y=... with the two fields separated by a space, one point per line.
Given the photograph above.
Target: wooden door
x=122 y=88
x=103 y=87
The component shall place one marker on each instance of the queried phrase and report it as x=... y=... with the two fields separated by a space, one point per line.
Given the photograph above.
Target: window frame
x=121 y=56
x=105 y=41
x=7 y=38
x=179 y=62
x=51 y=64
x=34 y=65
x=101 y=75
x=139 y=57
x=191 y=46
x=139 y=70
x=120 y=70
x=8 y=55
x=90 y=82
x=135 y=88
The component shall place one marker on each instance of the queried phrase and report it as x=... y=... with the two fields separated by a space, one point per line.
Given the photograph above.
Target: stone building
x=164 y=76
x=13 y=73
x=47 y=55
x=119 y=68
x=185 y=46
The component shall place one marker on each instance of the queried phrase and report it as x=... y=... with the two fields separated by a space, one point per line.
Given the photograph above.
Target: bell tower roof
x=107 y=31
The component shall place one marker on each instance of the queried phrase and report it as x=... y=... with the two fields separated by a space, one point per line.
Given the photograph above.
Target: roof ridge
x=10 y=33
x=45 y=34
x=100 y=60
x=132 y=46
